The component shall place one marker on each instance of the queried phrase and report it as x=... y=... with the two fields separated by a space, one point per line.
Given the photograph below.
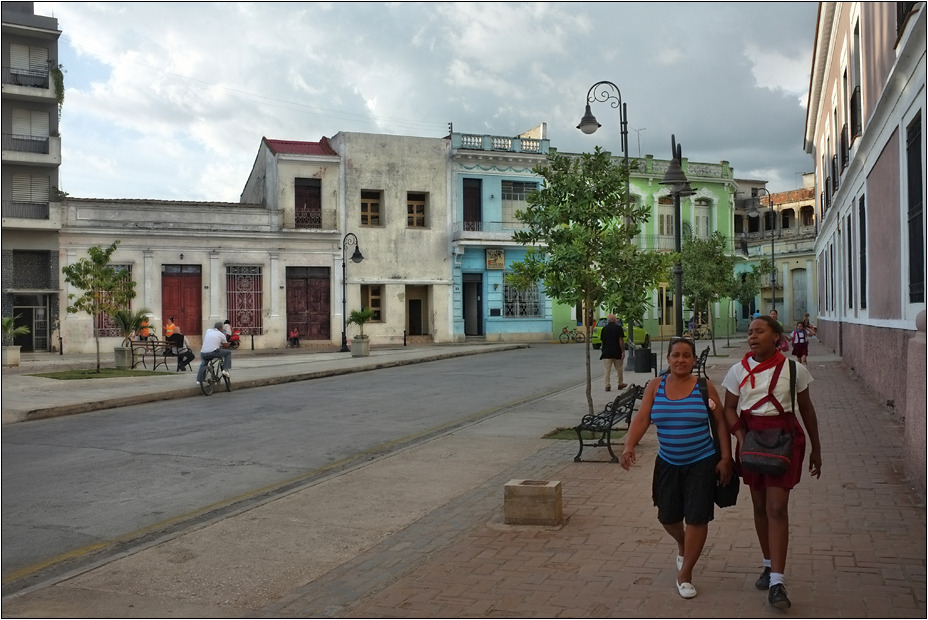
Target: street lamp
x=753 y=212
x=357 y=257
x=680 y=186
x=601 y=91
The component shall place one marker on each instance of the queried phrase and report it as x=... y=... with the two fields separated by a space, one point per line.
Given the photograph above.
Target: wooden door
x=473 y=211
x=182 y=297
x=309 y=302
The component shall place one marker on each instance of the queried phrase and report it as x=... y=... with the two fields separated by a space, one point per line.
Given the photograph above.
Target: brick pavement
x=857 y=549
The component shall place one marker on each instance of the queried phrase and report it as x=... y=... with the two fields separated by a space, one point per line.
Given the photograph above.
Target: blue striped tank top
x=682 y=427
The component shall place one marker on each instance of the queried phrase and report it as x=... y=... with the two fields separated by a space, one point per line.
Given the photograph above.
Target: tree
x=129 y=322
x=708 y=269
x=105 y=289
x=746 y=285
x=578 y=229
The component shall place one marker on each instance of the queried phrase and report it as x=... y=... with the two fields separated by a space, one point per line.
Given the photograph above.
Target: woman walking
x=758 y=396
x=687 y=463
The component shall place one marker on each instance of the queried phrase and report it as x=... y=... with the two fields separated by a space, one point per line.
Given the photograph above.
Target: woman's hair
x=678 y=339
x=773 y=323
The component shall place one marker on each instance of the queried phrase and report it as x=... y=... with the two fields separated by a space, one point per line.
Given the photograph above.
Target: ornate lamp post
x=602 y=91
x=753 y=212
x=356 y=257
x=680 y=186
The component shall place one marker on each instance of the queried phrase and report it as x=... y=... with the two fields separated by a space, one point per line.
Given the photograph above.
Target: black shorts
x=684 y=491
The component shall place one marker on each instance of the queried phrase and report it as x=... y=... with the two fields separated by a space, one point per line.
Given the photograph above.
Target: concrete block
x=533 y=502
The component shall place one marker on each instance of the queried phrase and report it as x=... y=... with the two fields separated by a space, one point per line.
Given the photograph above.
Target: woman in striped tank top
x=687 y=463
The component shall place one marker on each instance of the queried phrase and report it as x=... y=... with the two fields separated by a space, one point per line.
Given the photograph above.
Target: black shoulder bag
x=770 y=451
x=725 y=495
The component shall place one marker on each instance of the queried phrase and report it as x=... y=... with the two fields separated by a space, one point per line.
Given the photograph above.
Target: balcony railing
x=25 y=77
x=25 y=210
x=315 y=220
x=25 y=144
x=856 y=124
x=499 y=143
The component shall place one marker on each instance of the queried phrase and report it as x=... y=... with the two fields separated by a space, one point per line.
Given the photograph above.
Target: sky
x=170 y=101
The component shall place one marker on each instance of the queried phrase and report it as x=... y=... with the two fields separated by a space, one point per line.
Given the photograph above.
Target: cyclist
x=215 y=344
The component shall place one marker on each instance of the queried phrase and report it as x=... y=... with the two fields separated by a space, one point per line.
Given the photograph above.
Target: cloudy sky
x=171 y=100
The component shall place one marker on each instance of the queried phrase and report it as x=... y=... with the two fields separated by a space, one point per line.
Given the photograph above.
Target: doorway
x=182 y=297
x=32 y=311
x=665 y=310
x=417 y=310
x=473 y=304
x=309 y=302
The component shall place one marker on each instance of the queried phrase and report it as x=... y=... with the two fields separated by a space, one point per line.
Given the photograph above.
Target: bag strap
x=704 y=392
x=792 y=385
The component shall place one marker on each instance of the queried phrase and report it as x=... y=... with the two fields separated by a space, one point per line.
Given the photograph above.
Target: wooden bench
x=700 y=367
x=602 y=423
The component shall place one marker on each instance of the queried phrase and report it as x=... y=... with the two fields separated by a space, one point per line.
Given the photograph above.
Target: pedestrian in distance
x=613 y=351
x=215 y=345
x=169 y=328
x=759 y=396
x=687 y=464
x=294 y=337
x=800 y=340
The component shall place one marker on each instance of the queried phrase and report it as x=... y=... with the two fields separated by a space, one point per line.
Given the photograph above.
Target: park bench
x=700 y=368
x=159 y=350
x=602 y=423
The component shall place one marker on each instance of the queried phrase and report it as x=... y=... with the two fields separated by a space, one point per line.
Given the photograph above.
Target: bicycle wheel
x=579 y=337
x=564 y=338
x=209 y=379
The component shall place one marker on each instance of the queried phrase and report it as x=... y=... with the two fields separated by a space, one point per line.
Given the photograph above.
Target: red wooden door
x=182 y=297
x=309 y=302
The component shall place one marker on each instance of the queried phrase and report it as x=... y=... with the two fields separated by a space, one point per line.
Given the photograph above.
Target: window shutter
x=38 y=59
x=21 y=122
x=19 y=56
x=30 y=123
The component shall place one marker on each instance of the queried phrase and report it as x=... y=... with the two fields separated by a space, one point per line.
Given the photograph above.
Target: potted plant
x=128 y=322
x=360 y=344
x=10 y=331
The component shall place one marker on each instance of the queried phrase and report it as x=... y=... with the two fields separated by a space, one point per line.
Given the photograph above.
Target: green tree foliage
x=129 y=322
x=708 y=270
x=578 y=229
x=105 y=289
x=11 y=330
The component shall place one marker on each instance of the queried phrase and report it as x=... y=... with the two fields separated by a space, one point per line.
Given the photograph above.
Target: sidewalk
x=421 y=534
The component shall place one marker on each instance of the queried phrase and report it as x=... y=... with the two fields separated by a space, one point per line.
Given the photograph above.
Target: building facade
x=31 y=155
x=865 y=131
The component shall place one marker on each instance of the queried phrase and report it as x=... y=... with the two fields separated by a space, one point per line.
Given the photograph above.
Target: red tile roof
x=290 y=147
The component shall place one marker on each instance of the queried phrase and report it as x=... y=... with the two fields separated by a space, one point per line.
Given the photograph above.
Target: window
x=28 y=65
x=370 y=208
x=29 y=197
x=850 y=260
x=520 y=303
x=307 y=212
x=701 y=210
x=372 y=297
x=913 y=152
x=103 y=323
x=665 y=225
x=862 y=232
x=514 y=195
x=415 y=210
x=244 y=298
x=30 y=132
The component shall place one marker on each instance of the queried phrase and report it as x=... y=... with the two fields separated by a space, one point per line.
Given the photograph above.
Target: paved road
x=75 y=484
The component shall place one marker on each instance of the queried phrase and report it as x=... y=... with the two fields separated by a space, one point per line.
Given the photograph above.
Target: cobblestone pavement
x=857 y=546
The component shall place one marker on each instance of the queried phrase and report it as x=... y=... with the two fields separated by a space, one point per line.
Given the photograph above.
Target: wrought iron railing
x=25 y=144
x=25 y=210
x=25 y=77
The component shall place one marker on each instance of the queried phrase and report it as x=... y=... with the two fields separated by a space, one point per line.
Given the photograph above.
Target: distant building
x=30 y=160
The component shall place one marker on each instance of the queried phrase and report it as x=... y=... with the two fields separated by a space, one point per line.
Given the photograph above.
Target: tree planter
x=122 y=357
x=360 y=346
x=10 y=356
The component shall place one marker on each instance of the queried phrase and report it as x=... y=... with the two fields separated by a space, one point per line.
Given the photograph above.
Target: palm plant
x=10 y=330
x=129 y=322
x=360 y=317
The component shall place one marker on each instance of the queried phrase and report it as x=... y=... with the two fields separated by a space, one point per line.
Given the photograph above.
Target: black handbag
x=770 y=451
x=725 y=495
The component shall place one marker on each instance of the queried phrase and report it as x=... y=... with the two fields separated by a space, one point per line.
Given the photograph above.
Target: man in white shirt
x=215 y=345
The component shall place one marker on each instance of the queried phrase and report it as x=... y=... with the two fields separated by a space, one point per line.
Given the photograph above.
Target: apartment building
x=32 y=88
x=865 y=131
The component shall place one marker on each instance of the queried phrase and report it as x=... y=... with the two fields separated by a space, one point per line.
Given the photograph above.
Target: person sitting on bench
x=181 y=348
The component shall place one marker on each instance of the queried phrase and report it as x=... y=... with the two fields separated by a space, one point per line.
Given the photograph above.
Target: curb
x=140 y=399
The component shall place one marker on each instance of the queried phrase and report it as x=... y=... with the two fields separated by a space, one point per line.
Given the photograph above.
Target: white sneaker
x=198 y=384
x=225 y=373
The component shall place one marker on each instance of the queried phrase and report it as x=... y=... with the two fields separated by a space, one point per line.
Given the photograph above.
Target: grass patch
x=570 y=433
x=105 y=373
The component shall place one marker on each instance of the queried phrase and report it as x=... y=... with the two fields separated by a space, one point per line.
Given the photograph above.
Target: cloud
x=187 y=90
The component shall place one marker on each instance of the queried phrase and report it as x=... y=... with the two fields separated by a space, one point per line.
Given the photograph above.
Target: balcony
x=31 y=215
x=474 y=142
x=31 y=150
x=485 y=231
x=28 y=85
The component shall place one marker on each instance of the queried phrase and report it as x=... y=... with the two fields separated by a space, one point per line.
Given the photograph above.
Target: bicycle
x=571 y=335
x=700 y=332
x=213 y=375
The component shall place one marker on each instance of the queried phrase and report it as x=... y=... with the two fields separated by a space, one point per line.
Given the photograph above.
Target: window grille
x=103 y=323
x=514 y=195
x=916 y=209
x=862 y=231
x=520 y=303
x=244 y=291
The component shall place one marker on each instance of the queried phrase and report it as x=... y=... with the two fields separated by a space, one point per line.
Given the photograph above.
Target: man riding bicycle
x=215 y=345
